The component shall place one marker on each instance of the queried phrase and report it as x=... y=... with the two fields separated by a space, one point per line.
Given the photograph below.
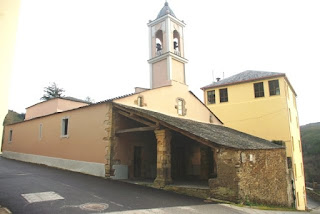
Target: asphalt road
x=31 y=188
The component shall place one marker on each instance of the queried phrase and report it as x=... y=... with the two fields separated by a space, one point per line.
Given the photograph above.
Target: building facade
x=164 y=133
x=262 y=104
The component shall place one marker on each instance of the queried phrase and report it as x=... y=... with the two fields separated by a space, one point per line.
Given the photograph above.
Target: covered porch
x=146 y=149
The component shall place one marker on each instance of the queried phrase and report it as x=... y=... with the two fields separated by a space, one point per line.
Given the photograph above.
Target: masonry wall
x=259 y=176
x=264 y=177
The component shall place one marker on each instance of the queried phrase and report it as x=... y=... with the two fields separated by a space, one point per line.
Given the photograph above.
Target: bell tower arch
x=166 y=42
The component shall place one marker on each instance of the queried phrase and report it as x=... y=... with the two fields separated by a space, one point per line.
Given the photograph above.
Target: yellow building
x=262 y=104
x=164 y=133
x=9 y=10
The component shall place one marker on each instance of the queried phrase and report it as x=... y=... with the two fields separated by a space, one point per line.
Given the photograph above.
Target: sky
x=100 y=48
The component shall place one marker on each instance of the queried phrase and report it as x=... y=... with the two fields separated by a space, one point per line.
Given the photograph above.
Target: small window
x=298 y=199
x=223 y=95
x=140 y=101
x=10 y=135
x=292 y=143
x=295 y=171
x=274 y=88
x=211 y=97
x=181 y=107
x=290 y=115
x=258 y=89
x=300 y=146
x=40 y=131
x=64 y=127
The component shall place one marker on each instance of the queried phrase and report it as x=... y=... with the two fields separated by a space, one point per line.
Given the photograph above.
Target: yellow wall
x=9 y=11
x=267 y=117
x=84 y=142
x=164 y=100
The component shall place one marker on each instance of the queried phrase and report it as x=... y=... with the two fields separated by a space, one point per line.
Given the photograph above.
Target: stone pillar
x=163 y=158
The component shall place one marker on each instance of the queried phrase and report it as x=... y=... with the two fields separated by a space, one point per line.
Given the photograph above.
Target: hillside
x=13 y=117
x=310 y=138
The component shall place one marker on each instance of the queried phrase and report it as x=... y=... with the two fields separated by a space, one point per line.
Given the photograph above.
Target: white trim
x=91 y=168
x=169 y=68
x=168 y=33
x=62 y=127
x=10 y=136
x=40 y=131
x=173 y=19
x=150 y=42
x=151 y=76
x=164 y=55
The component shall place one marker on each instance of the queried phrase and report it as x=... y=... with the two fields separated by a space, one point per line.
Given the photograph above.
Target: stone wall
x=255 y=176
x=225 y=185
x=264 y=177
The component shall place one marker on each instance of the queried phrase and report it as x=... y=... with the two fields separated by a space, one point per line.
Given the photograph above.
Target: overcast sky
x=99 y=48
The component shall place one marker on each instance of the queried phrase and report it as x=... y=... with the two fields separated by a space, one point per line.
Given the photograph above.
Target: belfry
x=167 y=62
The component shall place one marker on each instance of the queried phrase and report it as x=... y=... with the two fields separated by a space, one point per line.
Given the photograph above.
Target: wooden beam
x=133 y=117
x=139 y=129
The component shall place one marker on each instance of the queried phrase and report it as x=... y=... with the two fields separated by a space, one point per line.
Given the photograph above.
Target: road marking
x=41 y=196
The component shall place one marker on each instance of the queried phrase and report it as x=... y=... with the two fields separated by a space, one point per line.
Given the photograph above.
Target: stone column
x=163 y=158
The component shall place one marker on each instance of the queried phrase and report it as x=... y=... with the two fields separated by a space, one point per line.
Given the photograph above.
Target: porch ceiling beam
x=134 y=117
x=139 y=129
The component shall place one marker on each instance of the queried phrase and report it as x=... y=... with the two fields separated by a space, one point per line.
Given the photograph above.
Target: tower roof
x=165 y=10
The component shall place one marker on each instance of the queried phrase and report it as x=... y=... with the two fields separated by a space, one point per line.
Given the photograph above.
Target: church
x=164 y=134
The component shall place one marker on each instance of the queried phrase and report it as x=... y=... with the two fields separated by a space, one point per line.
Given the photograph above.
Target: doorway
x=137 y=161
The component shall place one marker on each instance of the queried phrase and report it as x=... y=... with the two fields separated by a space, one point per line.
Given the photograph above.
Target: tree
x=89 y=99
x=52 y=91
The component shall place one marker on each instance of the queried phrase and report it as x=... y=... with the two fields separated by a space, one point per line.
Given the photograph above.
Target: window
x=40 y=131
x=211 y=96
x=64 y=127
x=298 y=201
x=223 y=95
x=292 y=143
x=181 y=106
x=295 y=171
x=258 y=89
x=290 y=115
x=274 y=88
x=300 y=146
x=297 y=122
x=10 y=135
x=140 y=101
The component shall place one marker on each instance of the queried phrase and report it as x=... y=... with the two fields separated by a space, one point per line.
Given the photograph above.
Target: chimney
x=218 y=79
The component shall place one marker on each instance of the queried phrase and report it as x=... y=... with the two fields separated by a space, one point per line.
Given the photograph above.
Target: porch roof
x=209 y=134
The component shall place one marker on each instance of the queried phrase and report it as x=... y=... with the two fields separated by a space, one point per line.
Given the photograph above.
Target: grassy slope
x=310 y=136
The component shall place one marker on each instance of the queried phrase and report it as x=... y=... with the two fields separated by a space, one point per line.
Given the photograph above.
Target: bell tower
x=166 y=40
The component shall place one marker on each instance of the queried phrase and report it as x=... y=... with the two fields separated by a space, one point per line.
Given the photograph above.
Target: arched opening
x=176 y=42
x=159 y=42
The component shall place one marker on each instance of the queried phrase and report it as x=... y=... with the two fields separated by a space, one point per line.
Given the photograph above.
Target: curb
x=4 y=210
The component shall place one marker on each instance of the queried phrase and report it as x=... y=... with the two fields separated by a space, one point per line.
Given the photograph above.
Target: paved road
x=30 y=188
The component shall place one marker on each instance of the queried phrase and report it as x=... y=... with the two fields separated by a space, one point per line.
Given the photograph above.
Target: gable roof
x=214 y=134
x=246 y=76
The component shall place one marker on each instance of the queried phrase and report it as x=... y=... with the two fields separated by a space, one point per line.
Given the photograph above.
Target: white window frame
x=63 y=135
x=10 y=135
x=40 y=131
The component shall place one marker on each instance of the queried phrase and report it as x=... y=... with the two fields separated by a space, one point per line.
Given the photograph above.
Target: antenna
x=212 y=75
x=222 y=75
